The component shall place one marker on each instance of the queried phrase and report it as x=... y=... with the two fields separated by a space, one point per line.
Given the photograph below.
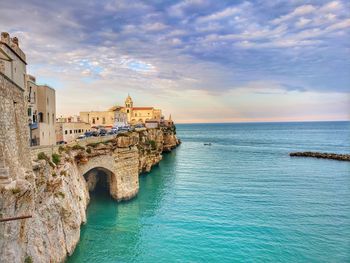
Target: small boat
x=207 y=144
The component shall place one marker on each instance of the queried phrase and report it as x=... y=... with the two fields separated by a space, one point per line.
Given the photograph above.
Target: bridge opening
x=98 y=181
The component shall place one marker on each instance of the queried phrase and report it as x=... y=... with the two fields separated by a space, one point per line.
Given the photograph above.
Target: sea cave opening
x=98 y=181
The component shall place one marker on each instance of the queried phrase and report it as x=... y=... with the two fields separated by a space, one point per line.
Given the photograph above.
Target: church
x=119 y=116
x=140 y=114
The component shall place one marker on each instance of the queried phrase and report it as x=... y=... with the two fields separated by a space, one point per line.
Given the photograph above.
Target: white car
x=81 y=137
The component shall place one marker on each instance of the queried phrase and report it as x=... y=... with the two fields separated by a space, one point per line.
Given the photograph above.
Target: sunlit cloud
x=191 y=56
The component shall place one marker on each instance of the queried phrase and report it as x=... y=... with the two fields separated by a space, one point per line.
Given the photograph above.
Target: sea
x=240 y=199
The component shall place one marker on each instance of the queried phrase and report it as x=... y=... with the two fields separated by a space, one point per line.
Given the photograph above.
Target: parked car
x=102 y=132
x=88 y=134
x=95 y=133
x=61 y=142
x=81 y=137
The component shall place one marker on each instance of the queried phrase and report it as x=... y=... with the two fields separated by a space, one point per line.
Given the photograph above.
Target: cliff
x=56 y=192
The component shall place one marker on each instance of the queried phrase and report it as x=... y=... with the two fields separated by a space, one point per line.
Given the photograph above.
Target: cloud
x=210 y=48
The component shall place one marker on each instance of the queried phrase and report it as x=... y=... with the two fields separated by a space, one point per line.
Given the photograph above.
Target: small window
x=41 y=117
x=65 y=132
x=48 y=118
x=70 y=131
x=53 y=118
x=97 y=118
x=93 y=121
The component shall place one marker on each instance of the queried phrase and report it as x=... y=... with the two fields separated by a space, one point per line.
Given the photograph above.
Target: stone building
x=41 y=112
x=119 y=116
x=69 y=131
x=140 y=114
x=12 y=60
x=113 y=117
x=14 y=136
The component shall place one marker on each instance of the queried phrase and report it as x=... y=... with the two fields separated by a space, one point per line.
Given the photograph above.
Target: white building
x=41 y=113
x=69 y=131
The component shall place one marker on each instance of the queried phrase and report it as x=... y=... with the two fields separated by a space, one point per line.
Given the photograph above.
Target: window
x=48 y=118
x=47 y=99
x=29 y=112
x=127 y=111
x=97 y=118
x=53 y=118
x=103 y=120
x=41 y=117
x=65 y=132
x=70 y=131
x=93 y=120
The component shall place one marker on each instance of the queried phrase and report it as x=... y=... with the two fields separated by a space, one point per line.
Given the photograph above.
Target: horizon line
x=241 y=122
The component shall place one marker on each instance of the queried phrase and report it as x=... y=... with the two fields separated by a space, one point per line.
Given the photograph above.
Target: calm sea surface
x=243 y=199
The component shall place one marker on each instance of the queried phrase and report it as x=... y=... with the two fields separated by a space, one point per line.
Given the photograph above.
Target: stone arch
x=104 y=163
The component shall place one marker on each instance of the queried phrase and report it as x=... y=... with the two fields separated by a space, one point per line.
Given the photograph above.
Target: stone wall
x=14 y=131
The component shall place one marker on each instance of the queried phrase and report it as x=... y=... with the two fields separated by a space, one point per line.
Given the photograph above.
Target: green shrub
x=43 y=156
x=61 y=149
x=16 y=190
x=93 y=144
x=78 y=147
x=28 y=259
x=153 y=144
x=88 y=150
x=61 y=194
x=63 y=172
x=54 y=174
x=56 y=158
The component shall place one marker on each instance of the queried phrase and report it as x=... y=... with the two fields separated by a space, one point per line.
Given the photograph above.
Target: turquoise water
x=243 y=199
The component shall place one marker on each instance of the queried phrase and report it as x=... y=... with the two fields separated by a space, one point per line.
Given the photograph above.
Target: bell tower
x=128 y=102
x=128 y=108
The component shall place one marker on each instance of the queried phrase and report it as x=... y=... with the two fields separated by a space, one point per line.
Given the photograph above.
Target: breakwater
x=333 y=156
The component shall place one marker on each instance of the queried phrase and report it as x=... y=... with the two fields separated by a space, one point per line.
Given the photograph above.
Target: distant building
x=168 y=123
x=74 y=118
x=151 y=124
x=69 y=131
x=41 y=112
x=119 y=116
x=140 y=114
x=114 y=117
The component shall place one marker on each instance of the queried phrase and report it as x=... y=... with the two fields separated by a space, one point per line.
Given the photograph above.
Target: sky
x=200 y=60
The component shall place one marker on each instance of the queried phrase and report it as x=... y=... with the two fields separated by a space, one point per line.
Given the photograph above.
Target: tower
x=128 y=107
x=128 y=102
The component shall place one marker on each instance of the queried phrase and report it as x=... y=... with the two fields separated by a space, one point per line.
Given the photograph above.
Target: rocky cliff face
x=56 y=196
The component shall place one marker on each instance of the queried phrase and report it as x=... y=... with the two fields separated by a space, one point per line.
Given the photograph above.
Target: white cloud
x=299 y=11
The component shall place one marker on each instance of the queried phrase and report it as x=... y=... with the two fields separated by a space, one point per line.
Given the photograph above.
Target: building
x=151 y=124
x=41 y=112
x=74 y=118
x=14 y=135
x=119 y=116
x=140 y=114
x=69 y=131
x=12 y=60
x=114 y=117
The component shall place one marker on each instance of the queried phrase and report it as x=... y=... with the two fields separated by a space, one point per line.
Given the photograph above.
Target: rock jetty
x=333 y=156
